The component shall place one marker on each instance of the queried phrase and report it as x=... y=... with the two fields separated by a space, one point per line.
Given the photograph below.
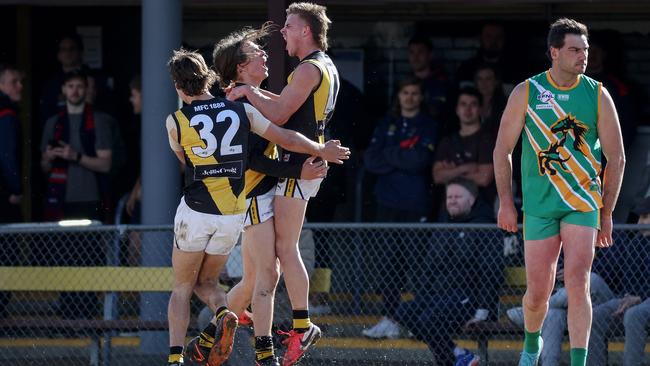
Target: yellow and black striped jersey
x=213 y=135
x=312 y=116
x=264 y=165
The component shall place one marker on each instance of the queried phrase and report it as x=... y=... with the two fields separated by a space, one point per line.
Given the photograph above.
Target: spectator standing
x=69 y=55
x=450 y=294
x=400 y=153
x=435 y=82
x=76 y=155
x=488 y=83
x=76 y=146
x=11 y=88
x=491 y=52
x=133 y=133
x=10 y=178
x=468 y=152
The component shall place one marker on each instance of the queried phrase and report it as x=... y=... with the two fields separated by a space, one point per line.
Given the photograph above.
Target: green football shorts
x=538 y=228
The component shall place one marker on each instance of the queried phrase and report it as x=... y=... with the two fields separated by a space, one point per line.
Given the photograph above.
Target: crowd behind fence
x=63 y=290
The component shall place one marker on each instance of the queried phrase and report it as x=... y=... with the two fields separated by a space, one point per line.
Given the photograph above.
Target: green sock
x=531 y=341
x=578 y=356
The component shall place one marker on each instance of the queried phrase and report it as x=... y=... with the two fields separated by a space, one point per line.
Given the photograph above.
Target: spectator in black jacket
x=10 y=178
x=461 y=280
x=400 y=154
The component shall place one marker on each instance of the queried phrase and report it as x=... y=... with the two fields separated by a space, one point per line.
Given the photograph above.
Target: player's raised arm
x=512 y=123
x=331 y=151
x=611 y=141
x=279 y=109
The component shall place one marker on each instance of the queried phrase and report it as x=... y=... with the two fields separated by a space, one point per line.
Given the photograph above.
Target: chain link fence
x=98 y=294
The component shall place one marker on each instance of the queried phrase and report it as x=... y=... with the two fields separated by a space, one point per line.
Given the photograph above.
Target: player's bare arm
x=278 y=110
x=609 y=133
x=512 y=123
x=173 y=139
x=331 y=151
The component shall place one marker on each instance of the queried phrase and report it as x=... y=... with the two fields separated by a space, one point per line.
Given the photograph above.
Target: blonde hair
x=316 y=18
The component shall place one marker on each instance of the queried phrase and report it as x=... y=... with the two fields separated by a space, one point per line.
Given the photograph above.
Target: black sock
x=206 y=339
x=263 y=348
x=175 y=354
x=301 y=321
x=221 y=312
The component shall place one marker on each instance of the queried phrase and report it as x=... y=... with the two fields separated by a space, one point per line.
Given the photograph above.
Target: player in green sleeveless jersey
x=567 y=121
x=305 y=104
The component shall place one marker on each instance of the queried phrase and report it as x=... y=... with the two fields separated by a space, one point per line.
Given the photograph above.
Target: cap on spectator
x=642 y=207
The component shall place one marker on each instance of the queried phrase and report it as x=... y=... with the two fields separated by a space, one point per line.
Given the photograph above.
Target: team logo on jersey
x=545 y=97
x=568 y=124
x=565 y=125
x=231 y=169
x=563 y=97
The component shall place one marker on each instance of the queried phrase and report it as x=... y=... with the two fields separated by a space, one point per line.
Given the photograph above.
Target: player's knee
x=287 y=253
x=270 y=275
x=183 y=290
x=535 y=300
x=578 y=290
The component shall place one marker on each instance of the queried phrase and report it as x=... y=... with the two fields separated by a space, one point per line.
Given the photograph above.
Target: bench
x=482 y=332
x=109 y=280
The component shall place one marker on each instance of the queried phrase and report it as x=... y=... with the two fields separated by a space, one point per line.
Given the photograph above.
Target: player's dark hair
x=75 y=38
x=316 y=17
x=75 y=74
x=190 y=73
x=229 y=52
x=471 y=91
x=486 y=66
x=423 y=40
x=136 y=83
x=468 y=184
x=561 y=28
x=5 y=68
x=396 y=109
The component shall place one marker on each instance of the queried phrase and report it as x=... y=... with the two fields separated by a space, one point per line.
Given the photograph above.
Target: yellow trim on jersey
x=600 y=92
x=527 y=96
x=218 y=188
x=253 y=178
x=552 y=82
x=322 y=93
x=577 y=170
x=290 y=188
x=254 y=211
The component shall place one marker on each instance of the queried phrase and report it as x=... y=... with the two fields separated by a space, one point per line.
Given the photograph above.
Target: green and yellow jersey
x=561 y=153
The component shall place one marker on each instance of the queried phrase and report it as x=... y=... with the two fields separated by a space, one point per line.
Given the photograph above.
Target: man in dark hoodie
x=463 y=269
